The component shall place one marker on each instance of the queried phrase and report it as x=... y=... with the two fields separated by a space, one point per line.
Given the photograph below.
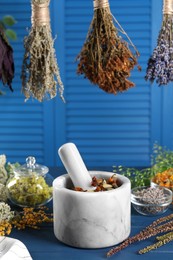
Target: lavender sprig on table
x=160 y=64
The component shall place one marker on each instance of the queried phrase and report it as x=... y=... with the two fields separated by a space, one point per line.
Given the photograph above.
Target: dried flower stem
x=164 y=236
x=162 y=240
x=156 y=245
x=149 y=231
x=123 y=32
x=161 y=220
x=31 y=218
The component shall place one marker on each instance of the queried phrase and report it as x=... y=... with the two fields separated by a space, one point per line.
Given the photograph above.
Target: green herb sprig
x=161 y=160
x=6 y=22
x=137 y=177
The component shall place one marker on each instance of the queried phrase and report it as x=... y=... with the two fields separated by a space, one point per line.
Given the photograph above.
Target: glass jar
x=31 y=185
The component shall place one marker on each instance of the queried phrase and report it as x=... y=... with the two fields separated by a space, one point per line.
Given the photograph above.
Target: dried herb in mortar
x=40 y=72
x=101 y=184
x=106 y=59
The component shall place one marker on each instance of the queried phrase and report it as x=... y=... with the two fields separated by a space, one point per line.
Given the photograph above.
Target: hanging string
x=40 y=14
x=123 y=32
x=100 y=4
x=167 y=7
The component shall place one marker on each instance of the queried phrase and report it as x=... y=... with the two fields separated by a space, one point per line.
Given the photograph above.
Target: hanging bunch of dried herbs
x=40 y=72
x=6 y=60
x=160 y=64
x=106 y=59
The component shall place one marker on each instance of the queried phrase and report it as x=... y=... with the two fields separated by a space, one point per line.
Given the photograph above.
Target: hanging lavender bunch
x=160 y=64
x=6 y=61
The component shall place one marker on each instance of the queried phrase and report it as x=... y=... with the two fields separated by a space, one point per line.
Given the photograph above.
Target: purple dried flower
x=6 y=61
x=160 y=64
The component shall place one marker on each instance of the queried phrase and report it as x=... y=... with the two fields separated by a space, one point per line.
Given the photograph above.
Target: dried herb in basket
x=40 y=68
x=160 y=64
x=106 y=59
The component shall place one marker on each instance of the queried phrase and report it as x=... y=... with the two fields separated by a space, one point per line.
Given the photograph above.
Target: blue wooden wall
x=108 y=130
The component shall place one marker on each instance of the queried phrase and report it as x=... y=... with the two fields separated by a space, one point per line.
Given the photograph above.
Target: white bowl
x=91 y=219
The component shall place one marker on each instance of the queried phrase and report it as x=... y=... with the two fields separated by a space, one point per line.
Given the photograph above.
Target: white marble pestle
x=75 y=166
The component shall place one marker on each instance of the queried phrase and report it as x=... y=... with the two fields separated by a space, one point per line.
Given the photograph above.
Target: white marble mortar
x=91 y=219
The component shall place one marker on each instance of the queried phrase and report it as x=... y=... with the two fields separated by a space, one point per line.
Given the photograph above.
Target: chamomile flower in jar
x=31 y=185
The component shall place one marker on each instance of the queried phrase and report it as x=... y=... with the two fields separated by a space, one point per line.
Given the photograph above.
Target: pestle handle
x=75 y=166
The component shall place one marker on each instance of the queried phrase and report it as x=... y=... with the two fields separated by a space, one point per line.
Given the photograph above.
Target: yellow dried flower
x=5 y=228
x=31 y=217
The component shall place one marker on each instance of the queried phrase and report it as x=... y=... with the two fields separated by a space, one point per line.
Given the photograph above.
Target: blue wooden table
x=43 y=245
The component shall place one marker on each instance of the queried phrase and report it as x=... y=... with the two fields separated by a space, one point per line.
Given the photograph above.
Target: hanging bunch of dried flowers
x=160 y=64
x=40 y=67
x=106 y=59
x=6 y=61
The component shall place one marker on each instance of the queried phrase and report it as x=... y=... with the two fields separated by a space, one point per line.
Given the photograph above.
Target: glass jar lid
x=31 y=167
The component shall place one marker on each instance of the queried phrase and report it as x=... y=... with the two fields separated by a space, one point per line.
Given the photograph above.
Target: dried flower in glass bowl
x=31 y=185
x=151 y=200
x=163 y=179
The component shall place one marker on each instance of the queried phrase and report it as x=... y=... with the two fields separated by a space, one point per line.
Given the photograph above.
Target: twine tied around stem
x=40 y=14
x=168 y=7
x=100 y=4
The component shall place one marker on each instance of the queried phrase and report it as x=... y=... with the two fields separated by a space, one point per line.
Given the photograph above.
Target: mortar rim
x=125 y=180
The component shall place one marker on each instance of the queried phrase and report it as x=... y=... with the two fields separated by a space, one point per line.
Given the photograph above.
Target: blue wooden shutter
x=109 y=130
x=25 y=127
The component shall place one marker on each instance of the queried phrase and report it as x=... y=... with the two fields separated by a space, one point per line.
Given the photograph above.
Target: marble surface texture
x=90 y=219
x=13 y=249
